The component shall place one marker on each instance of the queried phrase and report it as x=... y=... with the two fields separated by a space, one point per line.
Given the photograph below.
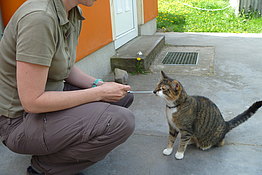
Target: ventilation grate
x=181 y=58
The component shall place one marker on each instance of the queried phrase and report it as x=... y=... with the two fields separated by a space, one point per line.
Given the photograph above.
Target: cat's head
x=168 y=88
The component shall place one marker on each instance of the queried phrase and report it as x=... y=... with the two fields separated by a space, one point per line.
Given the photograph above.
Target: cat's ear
x=163 y=74
x=175 y=85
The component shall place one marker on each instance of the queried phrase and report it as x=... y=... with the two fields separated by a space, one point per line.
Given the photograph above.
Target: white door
x=125 y=21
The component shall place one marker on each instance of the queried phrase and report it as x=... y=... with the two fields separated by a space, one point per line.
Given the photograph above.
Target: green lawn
x=178 y=17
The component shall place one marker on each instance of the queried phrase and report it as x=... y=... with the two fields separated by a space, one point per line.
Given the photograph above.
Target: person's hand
x=112 y=92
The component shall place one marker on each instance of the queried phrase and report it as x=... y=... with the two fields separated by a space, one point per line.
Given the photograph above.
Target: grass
x=177 y=17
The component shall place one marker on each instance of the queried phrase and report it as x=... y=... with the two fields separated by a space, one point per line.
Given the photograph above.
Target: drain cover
x=180 y=58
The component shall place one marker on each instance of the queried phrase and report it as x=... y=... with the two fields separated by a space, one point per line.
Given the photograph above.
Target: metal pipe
x=140 y=92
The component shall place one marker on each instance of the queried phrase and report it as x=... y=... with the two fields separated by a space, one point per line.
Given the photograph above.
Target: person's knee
x=129 y=120
x=123 y=122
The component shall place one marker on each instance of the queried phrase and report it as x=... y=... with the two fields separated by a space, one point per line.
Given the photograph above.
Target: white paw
x=179 y=155
x=168 y=151
x=205 y=148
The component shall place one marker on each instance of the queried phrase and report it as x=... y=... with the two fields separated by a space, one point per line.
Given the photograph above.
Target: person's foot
x=32 y=171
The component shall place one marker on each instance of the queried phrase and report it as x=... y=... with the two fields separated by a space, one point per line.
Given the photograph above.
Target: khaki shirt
x=39 y=33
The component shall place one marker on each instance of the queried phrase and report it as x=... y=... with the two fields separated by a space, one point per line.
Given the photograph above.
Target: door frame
x=129 y=35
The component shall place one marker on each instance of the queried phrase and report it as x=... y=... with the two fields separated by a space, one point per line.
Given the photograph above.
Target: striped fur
x=196 y=118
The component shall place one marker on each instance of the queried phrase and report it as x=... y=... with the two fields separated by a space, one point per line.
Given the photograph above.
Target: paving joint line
x=243 y=144
x=227 y=143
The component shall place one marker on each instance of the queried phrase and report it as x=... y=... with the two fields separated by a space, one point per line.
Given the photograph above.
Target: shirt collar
x=79 y=13
x=61 y=12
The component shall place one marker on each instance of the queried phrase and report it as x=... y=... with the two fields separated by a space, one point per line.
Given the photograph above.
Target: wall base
x=148 y=28
x=97 y=64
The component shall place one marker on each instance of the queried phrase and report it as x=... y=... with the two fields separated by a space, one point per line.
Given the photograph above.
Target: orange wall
x=8 y=7
x=96 y=30
x=150 y=10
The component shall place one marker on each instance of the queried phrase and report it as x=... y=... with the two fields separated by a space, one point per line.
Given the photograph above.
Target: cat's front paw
x=167 y=151
x=179 y=155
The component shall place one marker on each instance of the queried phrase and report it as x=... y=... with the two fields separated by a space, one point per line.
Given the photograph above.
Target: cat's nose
x=154 y=91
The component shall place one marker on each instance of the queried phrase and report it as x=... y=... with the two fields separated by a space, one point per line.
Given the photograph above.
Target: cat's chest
x=169 y=115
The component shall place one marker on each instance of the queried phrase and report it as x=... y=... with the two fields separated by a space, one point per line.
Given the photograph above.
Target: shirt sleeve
x=36 y=41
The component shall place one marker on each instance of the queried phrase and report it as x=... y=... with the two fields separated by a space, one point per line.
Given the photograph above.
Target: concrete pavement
x=234 y=85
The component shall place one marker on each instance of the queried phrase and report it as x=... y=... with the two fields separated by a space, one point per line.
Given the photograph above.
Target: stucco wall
x=8 y=7
x=96 y=30
x=150 y=10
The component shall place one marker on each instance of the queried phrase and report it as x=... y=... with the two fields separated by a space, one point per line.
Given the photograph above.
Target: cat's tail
x=244 y=116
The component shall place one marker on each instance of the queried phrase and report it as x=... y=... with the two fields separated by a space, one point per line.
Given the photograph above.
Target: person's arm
x=31 y=81
x=80 y=79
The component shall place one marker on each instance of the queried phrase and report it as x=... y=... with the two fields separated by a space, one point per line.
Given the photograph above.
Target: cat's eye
x=164 y=88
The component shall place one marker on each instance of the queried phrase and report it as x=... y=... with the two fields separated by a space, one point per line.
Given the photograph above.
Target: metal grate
x=181 y=58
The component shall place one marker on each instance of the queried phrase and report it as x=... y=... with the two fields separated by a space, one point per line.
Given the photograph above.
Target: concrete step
x=126 y=56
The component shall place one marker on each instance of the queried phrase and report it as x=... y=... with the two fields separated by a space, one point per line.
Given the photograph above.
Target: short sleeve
x=36 y=40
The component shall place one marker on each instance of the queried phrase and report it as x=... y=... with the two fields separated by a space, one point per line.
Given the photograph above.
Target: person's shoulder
x=35 y=8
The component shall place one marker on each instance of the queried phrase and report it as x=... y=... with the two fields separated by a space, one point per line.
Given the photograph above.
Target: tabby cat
x=196 y=118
